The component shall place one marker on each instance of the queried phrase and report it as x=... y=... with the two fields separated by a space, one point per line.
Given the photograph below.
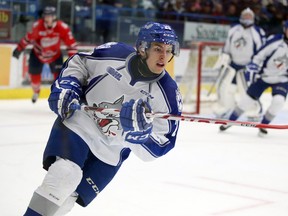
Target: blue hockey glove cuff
x=64 y=92
x=132 y=116
x=137 y=137
x=252 y=73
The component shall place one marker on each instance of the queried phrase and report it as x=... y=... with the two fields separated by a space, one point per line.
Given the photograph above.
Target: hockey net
x=197 y=84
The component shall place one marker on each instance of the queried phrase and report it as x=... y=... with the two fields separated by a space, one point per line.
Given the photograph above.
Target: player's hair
x=156 y=32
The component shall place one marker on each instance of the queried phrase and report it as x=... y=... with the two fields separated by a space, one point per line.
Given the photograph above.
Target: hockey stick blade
x=189 y=118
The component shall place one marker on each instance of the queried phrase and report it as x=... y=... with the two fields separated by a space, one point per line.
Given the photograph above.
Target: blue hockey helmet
x=156 y=32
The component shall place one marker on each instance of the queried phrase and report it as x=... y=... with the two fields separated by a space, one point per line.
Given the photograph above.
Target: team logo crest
x=239 y=43
x=108 y=124
x=281 y=62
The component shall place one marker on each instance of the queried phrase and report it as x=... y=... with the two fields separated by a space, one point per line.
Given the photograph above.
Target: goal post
x=197 y=84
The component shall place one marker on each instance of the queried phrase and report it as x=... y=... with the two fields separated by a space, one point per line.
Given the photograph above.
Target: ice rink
x=235 y=173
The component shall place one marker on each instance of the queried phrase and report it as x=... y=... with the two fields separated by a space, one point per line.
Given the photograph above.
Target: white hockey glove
x=222 y=61
x=252 y=73
x=136 y=126
x=64 y=92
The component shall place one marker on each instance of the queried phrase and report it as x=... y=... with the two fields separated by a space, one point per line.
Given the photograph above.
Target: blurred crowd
x=269 y=14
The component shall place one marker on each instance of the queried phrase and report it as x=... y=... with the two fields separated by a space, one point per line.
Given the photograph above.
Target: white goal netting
x=197 y=84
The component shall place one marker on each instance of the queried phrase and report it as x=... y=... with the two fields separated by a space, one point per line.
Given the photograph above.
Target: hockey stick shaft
x=189 y=118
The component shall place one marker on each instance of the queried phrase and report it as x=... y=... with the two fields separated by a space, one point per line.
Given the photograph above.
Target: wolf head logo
x=108 y=123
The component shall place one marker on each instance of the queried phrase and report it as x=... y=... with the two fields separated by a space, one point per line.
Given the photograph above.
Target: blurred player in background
x=268 y=68
x=46 y=36
x=243 y=41
x=85 y=150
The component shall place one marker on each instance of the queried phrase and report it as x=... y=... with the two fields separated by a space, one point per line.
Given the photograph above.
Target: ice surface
x=208 y=173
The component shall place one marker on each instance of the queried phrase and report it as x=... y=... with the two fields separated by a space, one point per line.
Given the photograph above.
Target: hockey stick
x=190 y=118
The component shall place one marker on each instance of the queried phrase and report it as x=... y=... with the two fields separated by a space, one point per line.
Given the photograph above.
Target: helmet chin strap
x=171 y=58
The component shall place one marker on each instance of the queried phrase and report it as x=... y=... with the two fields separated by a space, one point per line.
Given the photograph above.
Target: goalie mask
x=247 y=18
x=156 y=32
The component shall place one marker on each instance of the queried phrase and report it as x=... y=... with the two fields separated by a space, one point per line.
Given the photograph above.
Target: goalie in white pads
x=243 y=41
x=268 y=68
x=85 y=150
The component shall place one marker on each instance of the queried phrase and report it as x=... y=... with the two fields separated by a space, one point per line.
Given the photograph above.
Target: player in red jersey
x=46 y=36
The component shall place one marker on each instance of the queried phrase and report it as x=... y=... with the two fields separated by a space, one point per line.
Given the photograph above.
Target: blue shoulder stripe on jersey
x=273 y=39
x=260 y=31
x=267 y=59
x=168 y=87
x=113 y=50
x=94 y=82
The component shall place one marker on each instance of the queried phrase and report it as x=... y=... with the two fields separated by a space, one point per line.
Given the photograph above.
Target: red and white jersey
x=47 y=41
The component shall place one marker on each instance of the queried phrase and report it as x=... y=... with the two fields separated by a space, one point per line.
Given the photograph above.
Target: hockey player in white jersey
x=268 y=68
x=85 y=150
x=243 y=41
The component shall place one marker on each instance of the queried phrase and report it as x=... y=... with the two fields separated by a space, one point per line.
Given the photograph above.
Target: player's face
x=158 y=56
x=49 y=19
x=247 y=19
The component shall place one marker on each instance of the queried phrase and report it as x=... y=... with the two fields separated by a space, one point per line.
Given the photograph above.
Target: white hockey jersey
x=272 y=58
x=242 y=43
x=107 y=78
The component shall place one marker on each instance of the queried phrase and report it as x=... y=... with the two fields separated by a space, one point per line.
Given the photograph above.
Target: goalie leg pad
x=227 y=74
x=223 y=60
x=241 y=82
x=225 y=92
x=61 y=181
x=254 y=112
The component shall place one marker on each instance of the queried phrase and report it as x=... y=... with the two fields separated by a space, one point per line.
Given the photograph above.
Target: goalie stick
x=216 y=80
x=190 y=118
